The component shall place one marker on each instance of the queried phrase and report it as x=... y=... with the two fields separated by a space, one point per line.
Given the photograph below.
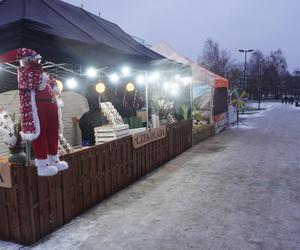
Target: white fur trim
x=44 y=169
x=53 y=158
x=56 y=162
x=23 y=61
x=43 y=162
x=61 y=165
x=44 y=81
x=38 y=57
x=28 y=137
x=36 y=121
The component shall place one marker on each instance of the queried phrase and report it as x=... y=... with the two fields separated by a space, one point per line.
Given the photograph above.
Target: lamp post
x=245 y=68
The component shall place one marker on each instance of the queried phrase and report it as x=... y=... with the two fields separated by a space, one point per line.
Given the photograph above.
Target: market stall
x=110 y=87
x=208 y=92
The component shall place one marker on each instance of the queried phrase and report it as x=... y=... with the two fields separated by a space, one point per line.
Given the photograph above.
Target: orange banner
x=221 y=83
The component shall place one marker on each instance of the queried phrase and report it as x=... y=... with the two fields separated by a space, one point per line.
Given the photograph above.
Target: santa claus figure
x=38 y=109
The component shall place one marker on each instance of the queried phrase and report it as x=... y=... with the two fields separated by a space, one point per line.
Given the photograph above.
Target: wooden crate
x=35 y=206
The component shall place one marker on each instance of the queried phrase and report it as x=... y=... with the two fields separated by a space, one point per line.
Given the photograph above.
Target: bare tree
x=258 y=64
x=214 y=59
x=235 y=74
x=278 y=69
x=296 y=72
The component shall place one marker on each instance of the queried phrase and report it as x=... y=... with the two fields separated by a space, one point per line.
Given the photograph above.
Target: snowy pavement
x=237 y=190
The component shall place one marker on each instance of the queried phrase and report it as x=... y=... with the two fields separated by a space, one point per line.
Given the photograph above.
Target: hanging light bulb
x=71 y=83
x=126 y=71
x=130 y=87
x=114 y=78
x=100 y=87
x=91 y=72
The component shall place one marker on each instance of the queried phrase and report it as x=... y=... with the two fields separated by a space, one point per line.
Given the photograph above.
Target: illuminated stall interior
x=93 y=60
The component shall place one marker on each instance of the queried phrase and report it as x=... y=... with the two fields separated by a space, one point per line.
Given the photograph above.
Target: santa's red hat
x=17 y=54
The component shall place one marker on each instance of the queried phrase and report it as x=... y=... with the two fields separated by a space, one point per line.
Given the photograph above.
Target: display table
x=36 y=206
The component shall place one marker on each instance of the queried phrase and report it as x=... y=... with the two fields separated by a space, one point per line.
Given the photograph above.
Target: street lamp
x=245 y=68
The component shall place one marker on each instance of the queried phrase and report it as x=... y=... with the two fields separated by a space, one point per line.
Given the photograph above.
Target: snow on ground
x=237 y=190
x=246 y=119
x=265 y=107
x=9 y=246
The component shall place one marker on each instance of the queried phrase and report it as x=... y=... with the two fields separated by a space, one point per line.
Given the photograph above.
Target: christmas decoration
x=111 y=113
x=64 y=146
x=10 y=129
x=39 y=110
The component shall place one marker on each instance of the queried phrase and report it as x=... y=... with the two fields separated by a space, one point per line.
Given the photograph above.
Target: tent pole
x=191 y=100
x=147 y=99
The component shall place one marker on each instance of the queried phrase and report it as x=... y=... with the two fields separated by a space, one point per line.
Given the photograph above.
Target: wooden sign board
x=5 y=175
x=150 y=135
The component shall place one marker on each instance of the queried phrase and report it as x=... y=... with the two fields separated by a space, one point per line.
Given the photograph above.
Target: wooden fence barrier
x=36 y=206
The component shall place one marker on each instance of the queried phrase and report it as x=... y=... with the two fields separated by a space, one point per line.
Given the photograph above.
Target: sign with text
x=5 y=175
x=150 y=135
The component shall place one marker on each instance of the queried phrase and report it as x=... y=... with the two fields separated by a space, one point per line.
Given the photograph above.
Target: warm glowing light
x=126 y=71
x=71 y=83
x=130 y=87
x=60 y=85
x=140 y=79
x=91 y=72
x=114 y=78
x=100 y=87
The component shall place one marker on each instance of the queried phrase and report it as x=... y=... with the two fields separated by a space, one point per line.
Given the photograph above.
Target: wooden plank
x=114 y=159
x=107 y=171
x=59 y=200
x=101 y=174
x=135 y=165
x=4 y=228
x=23 y=200
x=143 y=155
x=13 y=211
x=33 y=202
x=114 y=173
x=86 y=180
x=44 y=200
x=125 y=163
x=119 y=163
x=69 y=203
x=52 y=203
x=139 y=172
x=77 y=184
x=94 y=176
x=130 y=162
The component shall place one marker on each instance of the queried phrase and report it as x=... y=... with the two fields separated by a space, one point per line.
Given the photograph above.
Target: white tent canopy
x=200 y=75
x=202 y=79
